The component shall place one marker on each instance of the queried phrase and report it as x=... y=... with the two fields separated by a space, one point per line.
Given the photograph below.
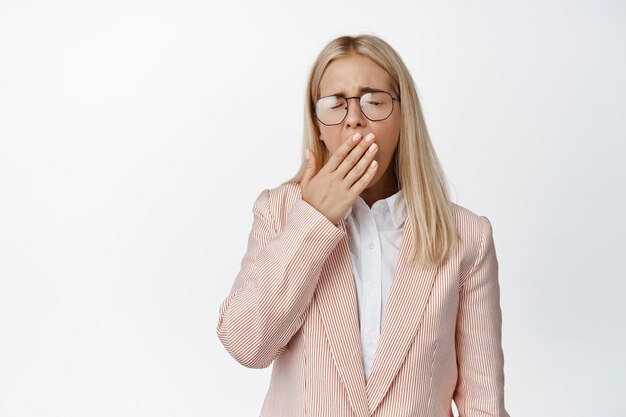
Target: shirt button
x=372 y=292
x=369 y=342
x=371 y=246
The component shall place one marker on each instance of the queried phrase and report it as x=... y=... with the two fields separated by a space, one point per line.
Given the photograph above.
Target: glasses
x=375 y=105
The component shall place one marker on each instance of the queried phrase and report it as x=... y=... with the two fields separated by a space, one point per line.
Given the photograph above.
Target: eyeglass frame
x=360 y=108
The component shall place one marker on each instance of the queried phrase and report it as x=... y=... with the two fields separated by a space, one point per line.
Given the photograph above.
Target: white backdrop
x=135 y=136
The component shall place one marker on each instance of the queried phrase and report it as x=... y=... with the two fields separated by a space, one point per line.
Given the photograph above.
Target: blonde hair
x=416 y=165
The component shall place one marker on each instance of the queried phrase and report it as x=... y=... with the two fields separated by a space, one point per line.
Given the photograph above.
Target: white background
x=135 y=136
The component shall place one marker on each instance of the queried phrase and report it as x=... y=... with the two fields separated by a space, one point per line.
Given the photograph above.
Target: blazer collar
x=336 y=299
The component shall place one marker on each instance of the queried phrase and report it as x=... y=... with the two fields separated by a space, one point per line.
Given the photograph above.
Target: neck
x=386 y=186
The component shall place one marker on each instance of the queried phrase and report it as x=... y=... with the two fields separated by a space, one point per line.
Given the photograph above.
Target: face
x=347 y=76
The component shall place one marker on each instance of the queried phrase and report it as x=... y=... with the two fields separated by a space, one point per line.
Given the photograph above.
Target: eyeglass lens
x=375 y=105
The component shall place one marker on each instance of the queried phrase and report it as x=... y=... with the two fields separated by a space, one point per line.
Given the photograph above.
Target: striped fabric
x=374 y=238
x=294 y=304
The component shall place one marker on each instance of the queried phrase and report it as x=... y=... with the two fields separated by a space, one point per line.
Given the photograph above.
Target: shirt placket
x=371 y=276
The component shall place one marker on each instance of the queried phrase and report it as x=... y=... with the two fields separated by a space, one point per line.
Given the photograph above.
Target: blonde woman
x=370 y=292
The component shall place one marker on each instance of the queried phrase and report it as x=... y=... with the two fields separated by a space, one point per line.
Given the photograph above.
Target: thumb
x=311 y=166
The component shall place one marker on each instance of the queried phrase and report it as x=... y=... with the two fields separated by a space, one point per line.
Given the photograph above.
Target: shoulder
x=467 y=221
x=475 y=234
x=285 y=192
x=282 y=197
x=276 y=202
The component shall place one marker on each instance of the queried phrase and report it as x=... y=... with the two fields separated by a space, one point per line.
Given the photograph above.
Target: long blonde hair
x=416 y=165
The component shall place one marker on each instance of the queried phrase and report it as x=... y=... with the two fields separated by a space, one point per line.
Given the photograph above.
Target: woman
x=366 y=287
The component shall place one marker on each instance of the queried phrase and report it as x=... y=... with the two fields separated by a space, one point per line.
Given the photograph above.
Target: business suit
x=293 y=303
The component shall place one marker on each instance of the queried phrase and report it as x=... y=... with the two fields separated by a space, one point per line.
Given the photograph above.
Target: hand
x=333 y=189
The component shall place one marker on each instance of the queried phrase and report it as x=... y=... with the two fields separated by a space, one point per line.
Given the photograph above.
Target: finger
x=346 y=147
x=361 y=167
x=353 y=157
x=364 y=181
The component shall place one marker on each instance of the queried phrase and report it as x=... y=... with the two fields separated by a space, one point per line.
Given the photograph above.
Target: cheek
x=387 y=148
x=330 y=139
x=332 y=147
x=390 y=135
x=395 y=130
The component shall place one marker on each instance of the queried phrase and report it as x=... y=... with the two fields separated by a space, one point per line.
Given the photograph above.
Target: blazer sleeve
x=480 y=360
x=277 y=279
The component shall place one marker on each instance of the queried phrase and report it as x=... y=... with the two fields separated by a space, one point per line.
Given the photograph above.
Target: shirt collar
x=397 y=208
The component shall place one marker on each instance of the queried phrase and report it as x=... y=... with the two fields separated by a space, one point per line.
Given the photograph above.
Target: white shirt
x=374 y=238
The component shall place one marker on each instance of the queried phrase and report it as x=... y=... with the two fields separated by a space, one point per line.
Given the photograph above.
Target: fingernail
x=369 y=137
x=356 y=137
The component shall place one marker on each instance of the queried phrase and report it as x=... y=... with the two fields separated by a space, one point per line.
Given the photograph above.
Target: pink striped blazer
x=294 y=304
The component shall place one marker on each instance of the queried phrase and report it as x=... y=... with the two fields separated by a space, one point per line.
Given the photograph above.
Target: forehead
x=347 y=75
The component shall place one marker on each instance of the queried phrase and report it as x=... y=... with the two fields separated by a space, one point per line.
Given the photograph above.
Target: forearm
x=261 y=314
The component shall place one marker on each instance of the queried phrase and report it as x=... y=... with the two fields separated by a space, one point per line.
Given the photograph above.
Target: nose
x=355 y=117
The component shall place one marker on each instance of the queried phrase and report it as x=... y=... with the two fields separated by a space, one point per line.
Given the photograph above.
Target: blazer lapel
x=336 y=300
x=410 y=290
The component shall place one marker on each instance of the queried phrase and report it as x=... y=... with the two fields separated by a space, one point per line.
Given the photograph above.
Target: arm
x=480 y=360
x=279 y=273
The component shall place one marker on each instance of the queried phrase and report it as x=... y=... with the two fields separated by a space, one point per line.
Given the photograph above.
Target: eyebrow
x=361 y=91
